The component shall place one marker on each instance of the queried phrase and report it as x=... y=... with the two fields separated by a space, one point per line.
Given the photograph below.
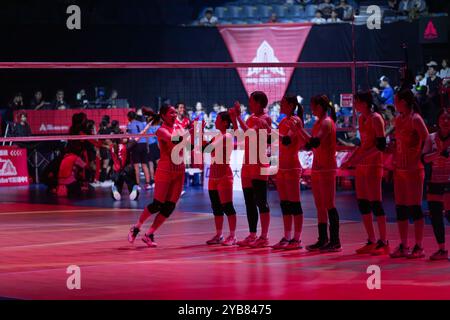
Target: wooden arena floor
x=39 y=242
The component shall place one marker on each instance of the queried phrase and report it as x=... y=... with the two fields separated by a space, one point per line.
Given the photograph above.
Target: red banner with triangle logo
x=266 y=44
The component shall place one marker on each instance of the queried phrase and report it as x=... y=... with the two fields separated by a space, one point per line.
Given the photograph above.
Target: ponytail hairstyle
x=292 y=100
x=326 y=104
x=408 y=96
x=367 y=98
x=156 y=117
x=261 y=98
x=225 y=116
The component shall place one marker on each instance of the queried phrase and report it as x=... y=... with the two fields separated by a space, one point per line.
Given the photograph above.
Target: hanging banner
x=266 y=43
x=13 y=167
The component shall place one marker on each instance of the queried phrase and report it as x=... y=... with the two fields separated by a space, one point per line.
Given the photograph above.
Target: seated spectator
x=417 y=8
x=309 y=121
x=112 y=101
x=20 y=127
x=199 y=114
x=445 y=70
x=318 y=19
x=326 y=7
x=344 y=10
x=82 y=99
x=60 y=103
x=213 y=116
x=334 y=17
x=209 y=20
x=404 y=7
x=273 y=18
x=393 y=6
x=16 y=102
x=38 y=103
x=349 y=139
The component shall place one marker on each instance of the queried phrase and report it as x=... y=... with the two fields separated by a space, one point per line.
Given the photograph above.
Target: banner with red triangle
x=265 y=43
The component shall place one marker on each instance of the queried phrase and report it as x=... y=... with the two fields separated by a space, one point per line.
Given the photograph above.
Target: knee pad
x=402 y=213
x=416 y=212
x=297 y=209
x=364 y=206
x=263 y=206
x=377 y=208
x=215 y=202
x=286 y=208
x=155 y=207
x=228 y=208
x=167 y=209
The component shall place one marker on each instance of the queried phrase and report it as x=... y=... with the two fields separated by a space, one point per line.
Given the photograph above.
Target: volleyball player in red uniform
x=254 y=180
x=289 y=173
x=220 y=183
x=410 y=135
x=169 y=178
x=323 y=173
x=436 y=151
x=368 y=159
x=182 y=121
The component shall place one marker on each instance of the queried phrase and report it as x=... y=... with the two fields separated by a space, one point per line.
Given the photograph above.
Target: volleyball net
x=204 y=87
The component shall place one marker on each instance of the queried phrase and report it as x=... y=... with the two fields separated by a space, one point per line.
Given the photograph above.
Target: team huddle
x=412 y=148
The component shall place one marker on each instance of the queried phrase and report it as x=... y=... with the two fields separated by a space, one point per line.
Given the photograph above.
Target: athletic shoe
x=153 y=185
x=106 y=184
x=115 y=193
x=134 y=231
x=229 y=241
x=134 y=193
x=95 y=184
x=147 y=187
x=247 y=241
x=281 y=245
x=400 y=252
x=316 y=246
x=182 y=193
x=416 y=253
x=260 y=243
x=293 y=245
x=331 y=247
x=149 y=239
x=215 y=240
x=381 y=249
x=367 y=248
x=439 y=255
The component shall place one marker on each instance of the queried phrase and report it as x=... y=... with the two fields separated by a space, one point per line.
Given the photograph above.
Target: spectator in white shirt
x=318 y=18
x=445 y=71
x=209 y=20
x=334 y=17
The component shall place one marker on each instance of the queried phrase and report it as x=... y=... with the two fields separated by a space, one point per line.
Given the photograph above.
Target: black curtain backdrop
x=188 y=44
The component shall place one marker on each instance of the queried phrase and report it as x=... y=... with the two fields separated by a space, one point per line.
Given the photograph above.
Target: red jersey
x=182 y=124
x=367 y=125
x=223 y=147
x=253 y=144
x=409 y=142
x=288 y=157
x=325 y=154
x=166 y=149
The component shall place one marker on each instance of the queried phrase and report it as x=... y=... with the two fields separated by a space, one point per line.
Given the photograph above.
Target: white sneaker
x=182 y=193
x=95 y=184
x=134 y=194
x=115 y=193
x=229 y=241
x=107 y=184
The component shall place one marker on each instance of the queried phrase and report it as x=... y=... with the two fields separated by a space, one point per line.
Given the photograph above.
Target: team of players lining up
x=413 y=146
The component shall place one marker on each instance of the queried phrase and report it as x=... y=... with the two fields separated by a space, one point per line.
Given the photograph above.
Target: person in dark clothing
x=38 y=103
